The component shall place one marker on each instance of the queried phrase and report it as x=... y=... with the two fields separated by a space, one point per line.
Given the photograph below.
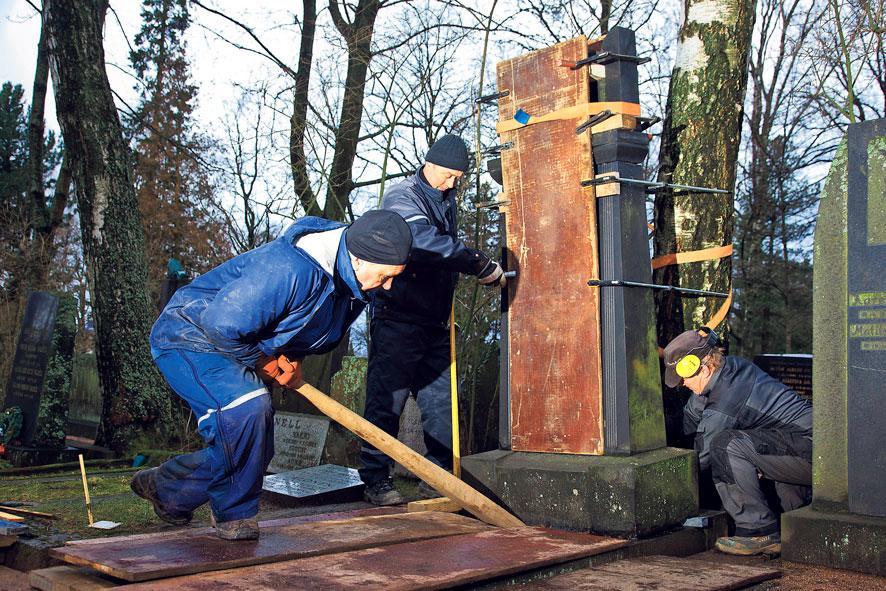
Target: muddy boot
x=144 y=484
x=237 y=529
x=383 y=493
x=749 y=546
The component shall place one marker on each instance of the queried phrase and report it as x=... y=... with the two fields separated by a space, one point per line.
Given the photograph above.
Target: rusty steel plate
x=429 y=564
x=146 y=559
x=553 y=317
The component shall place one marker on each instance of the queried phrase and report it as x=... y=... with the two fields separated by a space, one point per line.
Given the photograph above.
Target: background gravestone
x=845 y=527
x=40 y=379
x=792 y=370
x=298 y=441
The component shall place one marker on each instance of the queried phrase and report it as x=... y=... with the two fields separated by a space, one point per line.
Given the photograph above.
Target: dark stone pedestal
x=627 y=496
x=837 y=540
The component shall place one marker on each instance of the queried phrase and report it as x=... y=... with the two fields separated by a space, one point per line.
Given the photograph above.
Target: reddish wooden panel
x=554 y=317
x=145 y=559
x=430 y=564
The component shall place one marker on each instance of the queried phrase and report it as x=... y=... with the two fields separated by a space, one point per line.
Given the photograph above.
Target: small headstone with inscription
x=298 y=441
x=792 y=370
x=40 y=379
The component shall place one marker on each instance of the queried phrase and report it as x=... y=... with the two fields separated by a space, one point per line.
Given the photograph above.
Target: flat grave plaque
x=298 y=441
x=310 y=482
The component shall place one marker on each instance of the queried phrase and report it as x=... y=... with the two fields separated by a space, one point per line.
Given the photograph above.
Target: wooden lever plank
x=442 y=481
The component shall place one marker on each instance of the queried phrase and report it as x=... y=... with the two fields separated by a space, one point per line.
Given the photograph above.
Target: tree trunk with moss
x=700 y=141
x=134 y=396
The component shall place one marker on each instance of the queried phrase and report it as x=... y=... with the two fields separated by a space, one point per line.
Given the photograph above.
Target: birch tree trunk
x=134 y=396
x=700 y=141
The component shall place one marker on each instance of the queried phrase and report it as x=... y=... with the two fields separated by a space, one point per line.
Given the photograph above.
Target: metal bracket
x=594 y=120
x=491 y=98
x=693 y=293
x=494 y=204
x=651 y=186
x=499 y=148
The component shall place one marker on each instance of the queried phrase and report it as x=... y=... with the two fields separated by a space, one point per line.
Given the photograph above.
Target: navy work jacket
x=742 y=396
x=272 y=300
x=422 y=294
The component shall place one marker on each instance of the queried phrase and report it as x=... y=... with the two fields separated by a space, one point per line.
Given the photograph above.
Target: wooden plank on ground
x=659 y=573
x=439 y=504
x=429 y=564
x=146 y=559
x=11 y=517
x=553 y=316
x=68 y=578
x=194 y=532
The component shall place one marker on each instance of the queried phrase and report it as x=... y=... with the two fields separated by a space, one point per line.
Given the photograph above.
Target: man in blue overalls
x=409 y=346
x=248 y=323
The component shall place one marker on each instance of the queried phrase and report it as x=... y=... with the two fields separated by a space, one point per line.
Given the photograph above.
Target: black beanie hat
x=449 y=152
x=380 y=236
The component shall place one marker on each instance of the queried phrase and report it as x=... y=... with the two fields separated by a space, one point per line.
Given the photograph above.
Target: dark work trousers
x=737 y=457
x=407 y=359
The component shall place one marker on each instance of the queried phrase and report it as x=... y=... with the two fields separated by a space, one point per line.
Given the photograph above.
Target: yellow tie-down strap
x=574 y=112
x=694 y=256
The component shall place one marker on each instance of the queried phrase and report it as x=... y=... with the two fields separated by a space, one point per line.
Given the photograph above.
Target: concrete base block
x=626 y=496
x=838 y=540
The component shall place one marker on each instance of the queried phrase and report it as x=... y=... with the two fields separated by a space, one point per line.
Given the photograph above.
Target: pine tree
x=174 y=189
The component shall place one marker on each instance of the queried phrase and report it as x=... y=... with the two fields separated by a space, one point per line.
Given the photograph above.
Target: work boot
x=426 y=491
x=382 y=493
x=144 y=484
x=237 y=529
x=749 y=546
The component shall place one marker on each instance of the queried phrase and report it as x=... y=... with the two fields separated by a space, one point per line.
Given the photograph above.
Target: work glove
x=279 y=369
x=492 y=275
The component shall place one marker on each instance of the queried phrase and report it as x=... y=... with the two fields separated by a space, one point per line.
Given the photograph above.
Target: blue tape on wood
x=521 y=117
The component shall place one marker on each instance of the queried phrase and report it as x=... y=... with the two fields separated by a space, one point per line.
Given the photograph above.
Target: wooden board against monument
x=553 y=316
x=443 y=563
x=147 y=559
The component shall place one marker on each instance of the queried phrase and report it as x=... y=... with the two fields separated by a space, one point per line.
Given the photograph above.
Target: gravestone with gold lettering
x=40 y=378
x=845 y=527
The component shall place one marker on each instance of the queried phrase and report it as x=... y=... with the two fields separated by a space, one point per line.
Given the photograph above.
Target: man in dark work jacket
x=409 y=335
x=747 y=426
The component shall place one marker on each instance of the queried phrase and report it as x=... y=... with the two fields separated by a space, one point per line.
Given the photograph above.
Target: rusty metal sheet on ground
x=553 y=316
x=659 y=573
x=143 y=560
x=430 y=564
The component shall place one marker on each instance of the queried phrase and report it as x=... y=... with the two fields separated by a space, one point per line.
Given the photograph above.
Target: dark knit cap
x=449 y=152
x=380 y=236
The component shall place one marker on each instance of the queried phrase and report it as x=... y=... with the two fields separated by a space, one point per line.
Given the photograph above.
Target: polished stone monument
x=40 y=378
x=584 y=438
x=845 y=527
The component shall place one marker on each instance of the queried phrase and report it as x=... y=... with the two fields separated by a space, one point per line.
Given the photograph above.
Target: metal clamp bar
x=592 y=121
x=644 y=123
x=694 y=293
x=498 y=148
x=490 y=98
x=607 y=57
x=650 y=186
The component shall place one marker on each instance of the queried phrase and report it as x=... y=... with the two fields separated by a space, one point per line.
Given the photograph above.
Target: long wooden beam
x=468 y=498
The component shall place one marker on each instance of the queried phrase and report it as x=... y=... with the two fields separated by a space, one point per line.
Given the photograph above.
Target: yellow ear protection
x=688 y=365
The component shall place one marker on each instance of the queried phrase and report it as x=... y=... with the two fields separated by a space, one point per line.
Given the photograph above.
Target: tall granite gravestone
x=40 y=379
x=586 y=447
x=845 y=527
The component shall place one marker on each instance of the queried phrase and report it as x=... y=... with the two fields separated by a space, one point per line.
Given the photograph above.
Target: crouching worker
x=748 y=426
x=230 y=333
